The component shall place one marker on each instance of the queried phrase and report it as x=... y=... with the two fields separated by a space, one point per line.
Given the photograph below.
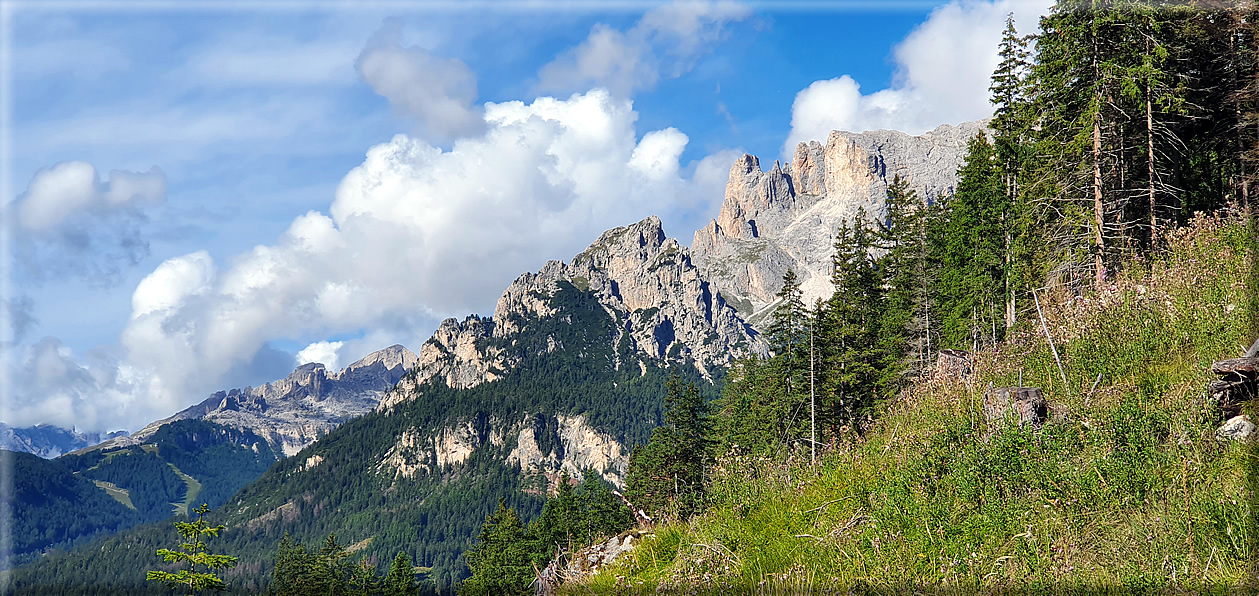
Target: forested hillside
x=1100 y=247
x=106 y=490
x=1121 y=486
x=343 y=485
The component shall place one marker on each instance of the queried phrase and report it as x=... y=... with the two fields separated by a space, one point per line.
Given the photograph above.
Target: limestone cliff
x=579 y=447
x=786 y=218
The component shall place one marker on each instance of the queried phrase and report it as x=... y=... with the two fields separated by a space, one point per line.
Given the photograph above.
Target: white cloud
x=665 y=43
x=942 y=75
x=49 y=385
x=414 y=234
x=70 y=222
x=323 y=352
x=439 y=93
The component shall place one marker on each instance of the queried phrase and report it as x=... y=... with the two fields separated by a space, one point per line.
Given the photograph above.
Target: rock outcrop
x=666 y=309
x=786 y=218
x=294 y=411
x=580 y=447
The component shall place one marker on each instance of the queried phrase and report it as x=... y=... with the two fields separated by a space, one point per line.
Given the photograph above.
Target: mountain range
x=409 y=452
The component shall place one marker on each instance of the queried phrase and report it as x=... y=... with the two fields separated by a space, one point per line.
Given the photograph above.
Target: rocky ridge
x=667 y=310
x=786 y=218
x=292 y=412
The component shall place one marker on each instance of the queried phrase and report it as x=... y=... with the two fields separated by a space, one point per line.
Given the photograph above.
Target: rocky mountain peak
x=389 y=358
x=639 y=275
x=787 y=217
x=294 y=411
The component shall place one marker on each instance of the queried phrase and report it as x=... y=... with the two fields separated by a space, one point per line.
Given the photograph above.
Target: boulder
x=1238 y=428
x=1025 y=404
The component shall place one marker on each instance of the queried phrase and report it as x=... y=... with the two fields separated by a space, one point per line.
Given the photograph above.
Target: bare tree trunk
x=1099 y=214
x=1149 y=143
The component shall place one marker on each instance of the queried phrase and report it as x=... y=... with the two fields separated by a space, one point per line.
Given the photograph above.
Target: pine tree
x=787 y=334
x=850 y=356
x=192 y=552
x=666 y=476
x=502 y=558
x=974 y=255
x=401 y=578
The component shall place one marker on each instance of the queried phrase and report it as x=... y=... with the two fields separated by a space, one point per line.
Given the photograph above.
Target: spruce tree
x=666 y=476
x=401 y=578
x=201 y=564
x=502 y=558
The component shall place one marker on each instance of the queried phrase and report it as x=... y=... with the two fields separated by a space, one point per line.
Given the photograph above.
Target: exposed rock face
x=294 y=411
x=48 y=441
x=639 y=276
x=786 y=218
x=580 y=447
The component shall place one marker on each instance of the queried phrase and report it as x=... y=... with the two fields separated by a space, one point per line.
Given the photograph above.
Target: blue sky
x=199 y=196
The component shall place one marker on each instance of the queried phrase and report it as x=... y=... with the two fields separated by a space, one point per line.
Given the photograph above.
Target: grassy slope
x=1130 y=491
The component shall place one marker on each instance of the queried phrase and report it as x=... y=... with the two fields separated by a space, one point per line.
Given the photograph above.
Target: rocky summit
x=666 y=310
x=786 y=218
x=292 y=412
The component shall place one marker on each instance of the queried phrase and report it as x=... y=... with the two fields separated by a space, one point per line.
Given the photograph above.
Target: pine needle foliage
x=199 y=575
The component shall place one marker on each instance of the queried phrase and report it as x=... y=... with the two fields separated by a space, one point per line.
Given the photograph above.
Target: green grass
x=121 y=495
x=190 y=495
x=1131 y=492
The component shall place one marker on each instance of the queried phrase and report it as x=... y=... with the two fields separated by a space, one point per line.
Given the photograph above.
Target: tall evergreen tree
x=502 y=558
x=666 y=476
x=199 y=575
x=401 y=578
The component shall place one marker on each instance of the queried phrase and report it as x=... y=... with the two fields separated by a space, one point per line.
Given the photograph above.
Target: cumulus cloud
x=439 y=93
x=942 y=74
x=70 y=222
x=665 y=43
x=323 y=352
x=50 y=385
x=414 y=234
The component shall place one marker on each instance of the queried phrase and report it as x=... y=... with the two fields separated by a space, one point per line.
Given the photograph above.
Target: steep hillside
x=786 y=217
x=101 y=491
x=54 y=506
x=568 y=374
x=1126 y=487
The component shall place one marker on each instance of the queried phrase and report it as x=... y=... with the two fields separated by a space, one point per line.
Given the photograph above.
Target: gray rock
x=1238 y=428
x=1023 y=404
x=666 y=307
x=294 y=411
x=787 y=218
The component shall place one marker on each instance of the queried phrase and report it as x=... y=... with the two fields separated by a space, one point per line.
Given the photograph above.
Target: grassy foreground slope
x=1130 y=491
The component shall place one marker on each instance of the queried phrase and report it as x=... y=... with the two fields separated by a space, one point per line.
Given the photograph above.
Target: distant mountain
x=569 y=374
x=53 y=506
x=786 y=217
x=203 y=454
x=294 y=411
x=48 y=441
